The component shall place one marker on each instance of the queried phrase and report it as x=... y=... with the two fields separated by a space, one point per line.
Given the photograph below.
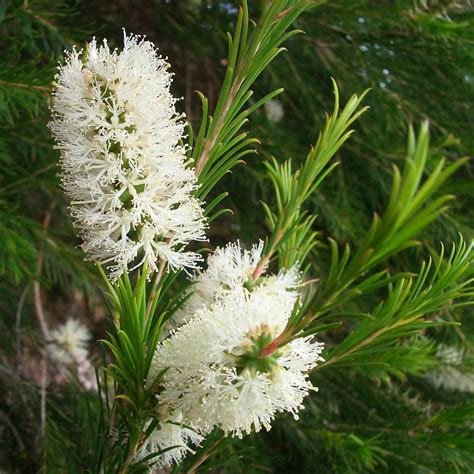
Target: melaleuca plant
x=221 y=351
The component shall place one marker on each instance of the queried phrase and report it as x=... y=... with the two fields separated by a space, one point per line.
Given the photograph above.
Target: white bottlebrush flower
x=172 y=432
x=68 y=342
x=451 y=374
x=195 y=5
x=86 y=374
x=123 y=164
x=216 y=372
x=274 y=110
x=230 y=269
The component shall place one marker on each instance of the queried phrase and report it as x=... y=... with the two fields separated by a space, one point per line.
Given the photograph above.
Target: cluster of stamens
x=250 y=355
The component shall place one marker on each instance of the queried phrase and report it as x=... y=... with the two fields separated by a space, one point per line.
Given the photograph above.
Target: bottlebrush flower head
x=217 y=373
x=123 y=164
x=230 y=268
x=452 y=373
x=68 y=342
x=274 y=110
x=174 y=433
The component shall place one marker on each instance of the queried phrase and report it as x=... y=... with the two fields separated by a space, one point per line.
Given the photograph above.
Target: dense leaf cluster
x=381 y=311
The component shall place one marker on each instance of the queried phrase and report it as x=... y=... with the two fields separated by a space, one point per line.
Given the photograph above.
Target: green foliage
x=28 y=185
x=67 y=424
x=409 y=211
x=37 y=243
x=375 y=410
x=219 y=146
x=293 y=236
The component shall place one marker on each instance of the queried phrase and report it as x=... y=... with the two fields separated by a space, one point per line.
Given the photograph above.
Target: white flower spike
x=452 y=374
x=274 y=110
x=229 y=269
x=68 y=342
x=123 y=164
x=172 y=438
x=217 y=373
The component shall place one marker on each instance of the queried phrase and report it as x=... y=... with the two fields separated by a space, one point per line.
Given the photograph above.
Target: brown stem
x=45 y=22
x=40 y=315
x=238 y=81
x=19 y=310
x=154 y=290
x=20 y=85
x=39 y=310
x=44 y=384
x=31 y=175
x=210 y=142
x=259 y=269
x=36 y=286
x=132 y=454
x=204 y=457
x=363 y=343
x=281 y=340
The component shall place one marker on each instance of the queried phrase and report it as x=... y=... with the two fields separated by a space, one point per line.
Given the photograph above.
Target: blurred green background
x=417 y=56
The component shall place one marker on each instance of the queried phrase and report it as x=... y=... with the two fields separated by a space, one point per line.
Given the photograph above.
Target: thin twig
x=364 y=342
x=39 y=310
x=209 y=142
x=36 y=286
x=154 y=290
x=19 y=310
x=265 y=260
x=20 y=85
x=40 y=315
x=44 y=384
x=31 y=175
x=204 y=457
x=48 y=24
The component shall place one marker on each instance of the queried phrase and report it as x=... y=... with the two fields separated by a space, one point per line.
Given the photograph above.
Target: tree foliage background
x=416 y=56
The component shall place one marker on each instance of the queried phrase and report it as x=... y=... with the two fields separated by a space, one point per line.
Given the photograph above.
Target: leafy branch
x=219 y=146
x=406 y=215
x=292 y=235
x=375 y=343
x=409 y=211
x=132 y=340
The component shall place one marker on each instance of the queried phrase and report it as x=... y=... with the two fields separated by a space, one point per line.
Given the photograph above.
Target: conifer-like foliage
x=356 y=137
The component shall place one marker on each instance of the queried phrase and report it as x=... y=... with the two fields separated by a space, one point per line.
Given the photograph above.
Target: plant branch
x=154 y=291
x=204 y=457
